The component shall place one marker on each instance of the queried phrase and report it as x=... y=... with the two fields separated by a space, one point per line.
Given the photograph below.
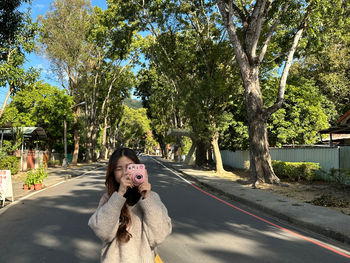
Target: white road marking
x=3 y=210
x=173 y=172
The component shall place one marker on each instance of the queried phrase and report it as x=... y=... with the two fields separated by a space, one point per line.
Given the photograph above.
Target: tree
x=11 y=20
x=106 y=77
x=326 y=59
x=63 y=35
x=258 y=30
x=134 y=127
x=40 y=105
x=20 y=33
x=194 y=57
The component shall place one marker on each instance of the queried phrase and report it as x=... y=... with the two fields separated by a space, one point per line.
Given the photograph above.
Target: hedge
x=10 y=163
x=297 y=171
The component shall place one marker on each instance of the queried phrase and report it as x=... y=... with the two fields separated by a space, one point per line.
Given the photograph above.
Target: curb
x=325 y=231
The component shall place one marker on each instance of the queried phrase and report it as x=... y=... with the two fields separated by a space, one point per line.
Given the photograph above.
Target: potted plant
x=29 y=182
x=39 y=177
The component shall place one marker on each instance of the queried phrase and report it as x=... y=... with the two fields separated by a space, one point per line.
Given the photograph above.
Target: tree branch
x=280 y=97
x=239 y=12
x=226 y=13
x=272 y=30
x=254 y=29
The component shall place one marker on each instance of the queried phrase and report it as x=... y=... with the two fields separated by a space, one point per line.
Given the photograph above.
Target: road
x=51 y=226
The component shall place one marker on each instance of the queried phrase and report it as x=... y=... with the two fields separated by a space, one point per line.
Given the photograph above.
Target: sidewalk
x=318 y=219
x=55 y=175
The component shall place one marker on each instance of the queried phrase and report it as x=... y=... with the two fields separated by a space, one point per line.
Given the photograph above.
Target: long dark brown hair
x=132 y=195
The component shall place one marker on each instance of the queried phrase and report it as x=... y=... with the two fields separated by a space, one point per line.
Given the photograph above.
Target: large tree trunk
x=260 y=161
x=215 y=143
x=201 y=153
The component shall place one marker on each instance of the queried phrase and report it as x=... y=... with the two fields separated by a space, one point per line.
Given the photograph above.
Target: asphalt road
x=51 y=226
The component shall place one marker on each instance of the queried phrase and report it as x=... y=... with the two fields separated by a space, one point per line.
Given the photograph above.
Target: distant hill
x=135 y=104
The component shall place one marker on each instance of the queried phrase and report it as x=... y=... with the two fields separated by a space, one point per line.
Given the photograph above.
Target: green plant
x=40 y=175
x=30 y=178
x=54 y=162
x=296 y=171
x=340 y=176
x=10 y=163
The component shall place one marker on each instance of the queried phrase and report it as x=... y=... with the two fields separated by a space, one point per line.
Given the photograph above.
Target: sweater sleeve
x=105 y=221
x=156 y=222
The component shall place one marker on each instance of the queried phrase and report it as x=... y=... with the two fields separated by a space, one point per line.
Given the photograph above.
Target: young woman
x=131 y=221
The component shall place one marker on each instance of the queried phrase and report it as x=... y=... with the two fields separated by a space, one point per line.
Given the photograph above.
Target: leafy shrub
x=30 y=178
x=53 y=163
x=40 y=175
x=36 y=176
x=10 y=163
x=296 y=171
x=340 y=176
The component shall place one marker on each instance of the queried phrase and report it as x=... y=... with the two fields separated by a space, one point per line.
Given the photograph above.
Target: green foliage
x=8 y=147
x=134 y=127
x=131 y=103
x=30 y=177
x=36 y=176
x=302 y=116
x=296 y=171
x=186 y=145
x=12 y=53
x=63 y=35
x=327 y=55
x=40 y=105
x=11 y=19
x=40 y=175
x=10 y=163
x=340 y=176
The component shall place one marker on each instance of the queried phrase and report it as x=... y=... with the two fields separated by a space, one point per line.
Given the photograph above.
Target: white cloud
x=39 y=6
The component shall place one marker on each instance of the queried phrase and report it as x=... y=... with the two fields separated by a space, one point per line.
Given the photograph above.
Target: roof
x=337 y=137
x=34 y=133
x=341 y=129
x=345 y=118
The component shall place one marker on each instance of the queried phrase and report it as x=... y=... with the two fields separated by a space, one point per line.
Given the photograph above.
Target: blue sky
x=40 y=7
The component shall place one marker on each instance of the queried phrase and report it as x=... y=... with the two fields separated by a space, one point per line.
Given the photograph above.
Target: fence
x=328 y=157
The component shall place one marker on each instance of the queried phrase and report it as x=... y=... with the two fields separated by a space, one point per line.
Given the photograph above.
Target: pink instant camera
x=137 y=173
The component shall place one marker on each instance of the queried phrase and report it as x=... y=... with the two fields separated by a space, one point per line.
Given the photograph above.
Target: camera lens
x=139 y=176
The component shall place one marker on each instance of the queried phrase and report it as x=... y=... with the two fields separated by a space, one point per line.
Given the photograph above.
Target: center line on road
x=257 y=217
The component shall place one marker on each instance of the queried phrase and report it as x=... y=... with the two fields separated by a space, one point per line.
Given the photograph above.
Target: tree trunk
x=76 y=137
x=104 y=137
x=190 y=153
x=89 y=143
x=261 y=169
x=166 y=152
x=210 y=155
x=215 y=144
x=201 y=156
x=5 y=102
x=94 y=144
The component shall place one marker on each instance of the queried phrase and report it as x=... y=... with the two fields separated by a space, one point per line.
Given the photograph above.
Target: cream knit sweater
x=150 y=225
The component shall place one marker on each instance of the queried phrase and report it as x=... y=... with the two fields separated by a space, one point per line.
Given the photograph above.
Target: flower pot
x=38 y=186
x=32 y=187
x=25 y=187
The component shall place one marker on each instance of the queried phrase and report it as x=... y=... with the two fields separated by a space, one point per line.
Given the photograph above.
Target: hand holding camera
x=139 y=178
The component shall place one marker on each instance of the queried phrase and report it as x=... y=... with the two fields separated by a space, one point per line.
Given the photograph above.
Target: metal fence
x=328 y=157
